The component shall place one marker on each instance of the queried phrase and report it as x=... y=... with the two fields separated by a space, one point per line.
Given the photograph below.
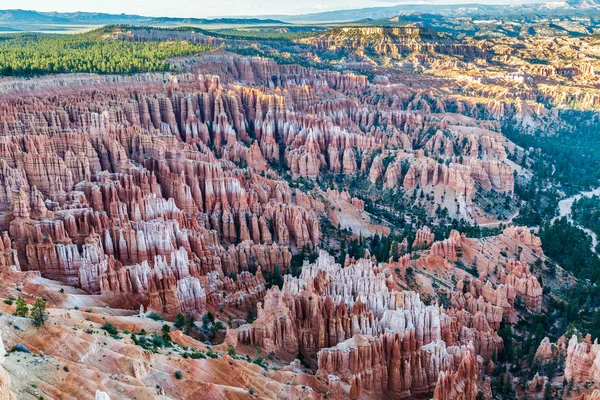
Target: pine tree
x=39 y=313
x=277 y=280
x=165 y=334
x=548 y=392
x=22 y=309
x=189 y=324
x=231 y=351
x=179 y=321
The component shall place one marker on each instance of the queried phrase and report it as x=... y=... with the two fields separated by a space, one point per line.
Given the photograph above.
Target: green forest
x=39 y=54
x=570 y=157
x=586 y=211
x=564 y=163
x=569 y=246
x=264 y=34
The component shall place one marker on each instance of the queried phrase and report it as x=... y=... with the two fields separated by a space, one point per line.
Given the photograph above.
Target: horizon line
x=266 y=16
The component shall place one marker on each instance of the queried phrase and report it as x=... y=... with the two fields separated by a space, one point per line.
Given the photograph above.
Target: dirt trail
x=565 y=209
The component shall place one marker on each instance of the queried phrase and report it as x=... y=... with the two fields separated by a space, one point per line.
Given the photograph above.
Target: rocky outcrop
x=102 y=395
x=376 y=170
x=583 y=360
x=525 y=284
x=391 y=41
x=5 y=381
x=595 y=395
x=350 y=325
x=524 y=236
x=450 y=248
x=137 y=203
x=423 y=239
x=196 y=191
x=546 y=351
x=393 y=366
x=274 y=328
x=460 y=384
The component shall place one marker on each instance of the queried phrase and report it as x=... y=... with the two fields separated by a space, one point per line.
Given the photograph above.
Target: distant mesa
x=28 y=20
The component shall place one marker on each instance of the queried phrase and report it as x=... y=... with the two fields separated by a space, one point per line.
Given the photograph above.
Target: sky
x=212 y=8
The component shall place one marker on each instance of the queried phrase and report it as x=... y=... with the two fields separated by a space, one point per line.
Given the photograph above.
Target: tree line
x=39 y=54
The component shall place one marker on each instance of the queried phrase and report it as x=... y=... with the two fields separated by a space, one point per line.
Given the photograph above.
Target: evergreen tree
x=39 y=313
x=179 y=321
x=22 y=309
x=548 y=392
x=208 y=319
x=166 y=337
x=37 y=54
x=189 y=324
x=231 y=351
x=277 y=280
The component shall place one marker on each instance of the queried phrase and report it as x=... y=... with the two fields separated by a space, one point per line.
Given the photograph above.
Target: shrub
x=259 y=361
x=178 y=374
x=110 y=328
x=210 y=353
x=157 y=341
x=231 y=351
x=197 y=355
x=155 y=316
x=218 y=326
